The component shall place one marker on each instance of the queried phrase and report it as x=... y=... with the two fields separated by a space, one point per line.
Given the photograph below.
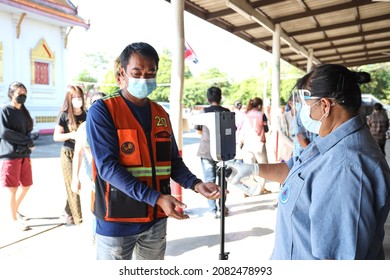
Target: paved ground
x=249 y=227
x=198 y=237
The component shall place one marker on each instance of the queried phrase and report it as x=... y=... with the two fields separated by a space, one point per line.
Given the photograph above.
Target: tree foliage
x=380 y=81
x=195 y=88
x=86 y=81
x=109 y=83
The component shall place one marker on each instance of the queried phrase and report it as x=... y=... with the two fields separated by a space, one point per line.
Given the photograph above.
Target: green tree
x=87 y=81
x=163 y=90
x=289 y=76
x=380 y=80
x=245 y=90
x=109 y=84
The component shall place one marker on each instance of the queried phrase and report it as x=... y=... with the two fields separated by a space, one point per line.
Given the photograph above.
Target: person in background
x=335 y=197
x=239 y=119
x=378 y=122
x=71 y=115
x=209 y=165
x=291 y=126
x=135 y=157
x=253 y=140
x=82 y=161
x=16 y=145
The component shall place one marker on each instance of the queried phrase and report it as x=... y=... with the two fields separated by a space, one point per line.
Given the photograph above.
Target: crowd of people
x=335 y=181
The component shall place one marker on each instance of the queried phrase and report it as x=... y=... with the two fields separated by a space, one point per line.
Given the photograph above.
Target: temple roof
x=60 y=10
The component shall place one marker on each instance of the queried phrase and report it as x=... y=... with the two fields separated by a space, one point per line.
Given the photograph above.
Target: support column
x=275 y=101
x=177 y=82
x=309 y=61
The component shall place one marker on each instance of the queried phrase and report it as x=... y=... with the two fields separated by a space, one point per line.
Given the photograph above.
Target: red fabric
x=15 y=172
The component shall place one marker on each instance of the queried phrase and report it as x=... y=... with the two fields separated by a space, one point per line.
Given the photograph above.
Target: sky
x=118 y=23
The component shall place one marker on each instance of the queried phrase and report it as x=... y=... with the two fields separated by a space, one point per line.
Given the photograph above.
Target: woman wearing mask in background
x=72 y=114
x=15 y=149
x=334 y=199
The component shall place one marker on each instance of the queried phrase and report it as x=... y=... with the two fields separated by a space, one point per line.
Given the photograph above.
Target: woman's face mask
x=310 y=124
x=21 y=98
x=141 y=88
x=77 y=102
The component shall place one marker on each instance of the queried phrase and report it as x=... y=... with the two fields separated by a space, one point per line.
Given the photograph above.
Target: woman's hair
x=11 y=89
x=214 y=94
x=72 y=92
x=254 y=103
x=335 y=81
x=140 y=48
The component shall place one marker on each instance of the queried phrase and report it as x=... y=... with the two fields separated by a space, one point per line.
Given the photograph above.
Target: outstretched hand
x=209 y=190
x=241 y=171
x=168 y=204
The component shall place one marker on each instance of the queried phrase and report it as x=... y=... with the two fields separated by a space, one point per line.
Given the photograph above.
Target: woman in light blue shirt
x=334 y=199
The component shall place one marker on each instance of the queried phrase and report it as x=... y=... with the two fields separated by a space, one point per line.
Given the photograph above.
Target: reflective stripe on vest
x=148 y=172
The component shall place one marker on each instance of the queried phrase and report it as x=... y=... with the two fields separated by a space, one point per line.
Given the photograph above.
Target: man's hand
x=241 y=172
x=209 y=190
x=168 y=204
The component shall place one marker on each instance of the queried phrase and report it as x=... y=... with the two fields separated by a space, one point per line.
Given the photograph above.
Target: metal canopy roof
x=348 y=32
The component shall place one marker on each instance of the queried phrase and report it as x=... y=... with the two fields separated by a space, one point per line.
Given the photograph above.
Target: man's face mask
x=141 y=88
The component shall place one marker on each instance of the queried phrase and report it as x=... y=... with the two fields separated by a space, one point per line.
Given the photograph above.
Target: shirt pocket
x=163 y=143
x=129 y=149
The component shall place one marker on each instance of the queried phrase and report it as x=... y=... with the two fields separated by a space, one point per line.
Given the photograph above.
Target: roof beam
x=316 y=12
x=250 y=13
x=229 y=11
x=341 y=37
x=339 y=25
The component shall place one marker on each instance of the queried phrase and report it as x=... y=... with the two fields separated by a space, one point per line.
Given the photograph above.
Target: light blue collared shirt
x=335 y=200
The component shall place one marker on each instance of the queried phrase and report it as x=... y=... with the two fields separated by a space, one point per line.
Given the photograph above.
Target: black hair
x=335 y=81
x=238 y=104
x=140 y=48
x=214 y=94
x=378 y=106
x=11 y=89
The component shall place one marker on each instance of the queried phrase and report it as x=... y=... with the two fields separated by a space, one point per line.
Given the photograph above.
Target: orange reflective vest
x=146 y=157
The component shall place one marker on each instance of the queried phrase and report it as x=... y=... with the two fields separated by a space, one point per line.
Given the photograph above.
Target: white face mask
x=311 y=125
x=77 y=103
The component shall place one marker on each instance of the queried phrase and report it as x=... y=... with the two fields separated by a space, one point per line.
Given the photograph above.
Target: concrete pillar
x=177 y=83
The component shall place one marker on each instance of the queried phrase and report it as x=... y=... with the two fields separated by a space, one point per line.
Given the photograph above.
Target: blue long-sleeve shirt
x=103 y=140
x=335 y=199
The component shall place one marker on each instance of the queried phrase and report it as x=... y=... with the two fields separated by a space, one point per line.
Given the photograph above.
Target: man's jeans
x=210 y=175
x=147 y=245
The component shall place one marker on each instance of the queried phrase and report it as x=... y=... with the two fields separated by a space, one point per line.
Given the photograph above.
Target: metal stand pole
x=222 y=182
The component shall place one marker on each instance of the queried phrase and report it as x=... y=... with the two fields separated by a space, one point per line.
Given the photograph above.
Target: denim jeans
x=147 y=245
x=209 y=168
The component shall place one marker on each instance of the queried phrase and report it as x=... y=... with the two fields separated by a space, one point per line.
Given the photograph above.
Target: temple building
x=33 y=51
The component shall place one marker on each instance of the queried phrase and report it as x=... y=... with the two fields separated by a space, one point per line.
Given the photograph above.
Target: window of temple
x=42 y=64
